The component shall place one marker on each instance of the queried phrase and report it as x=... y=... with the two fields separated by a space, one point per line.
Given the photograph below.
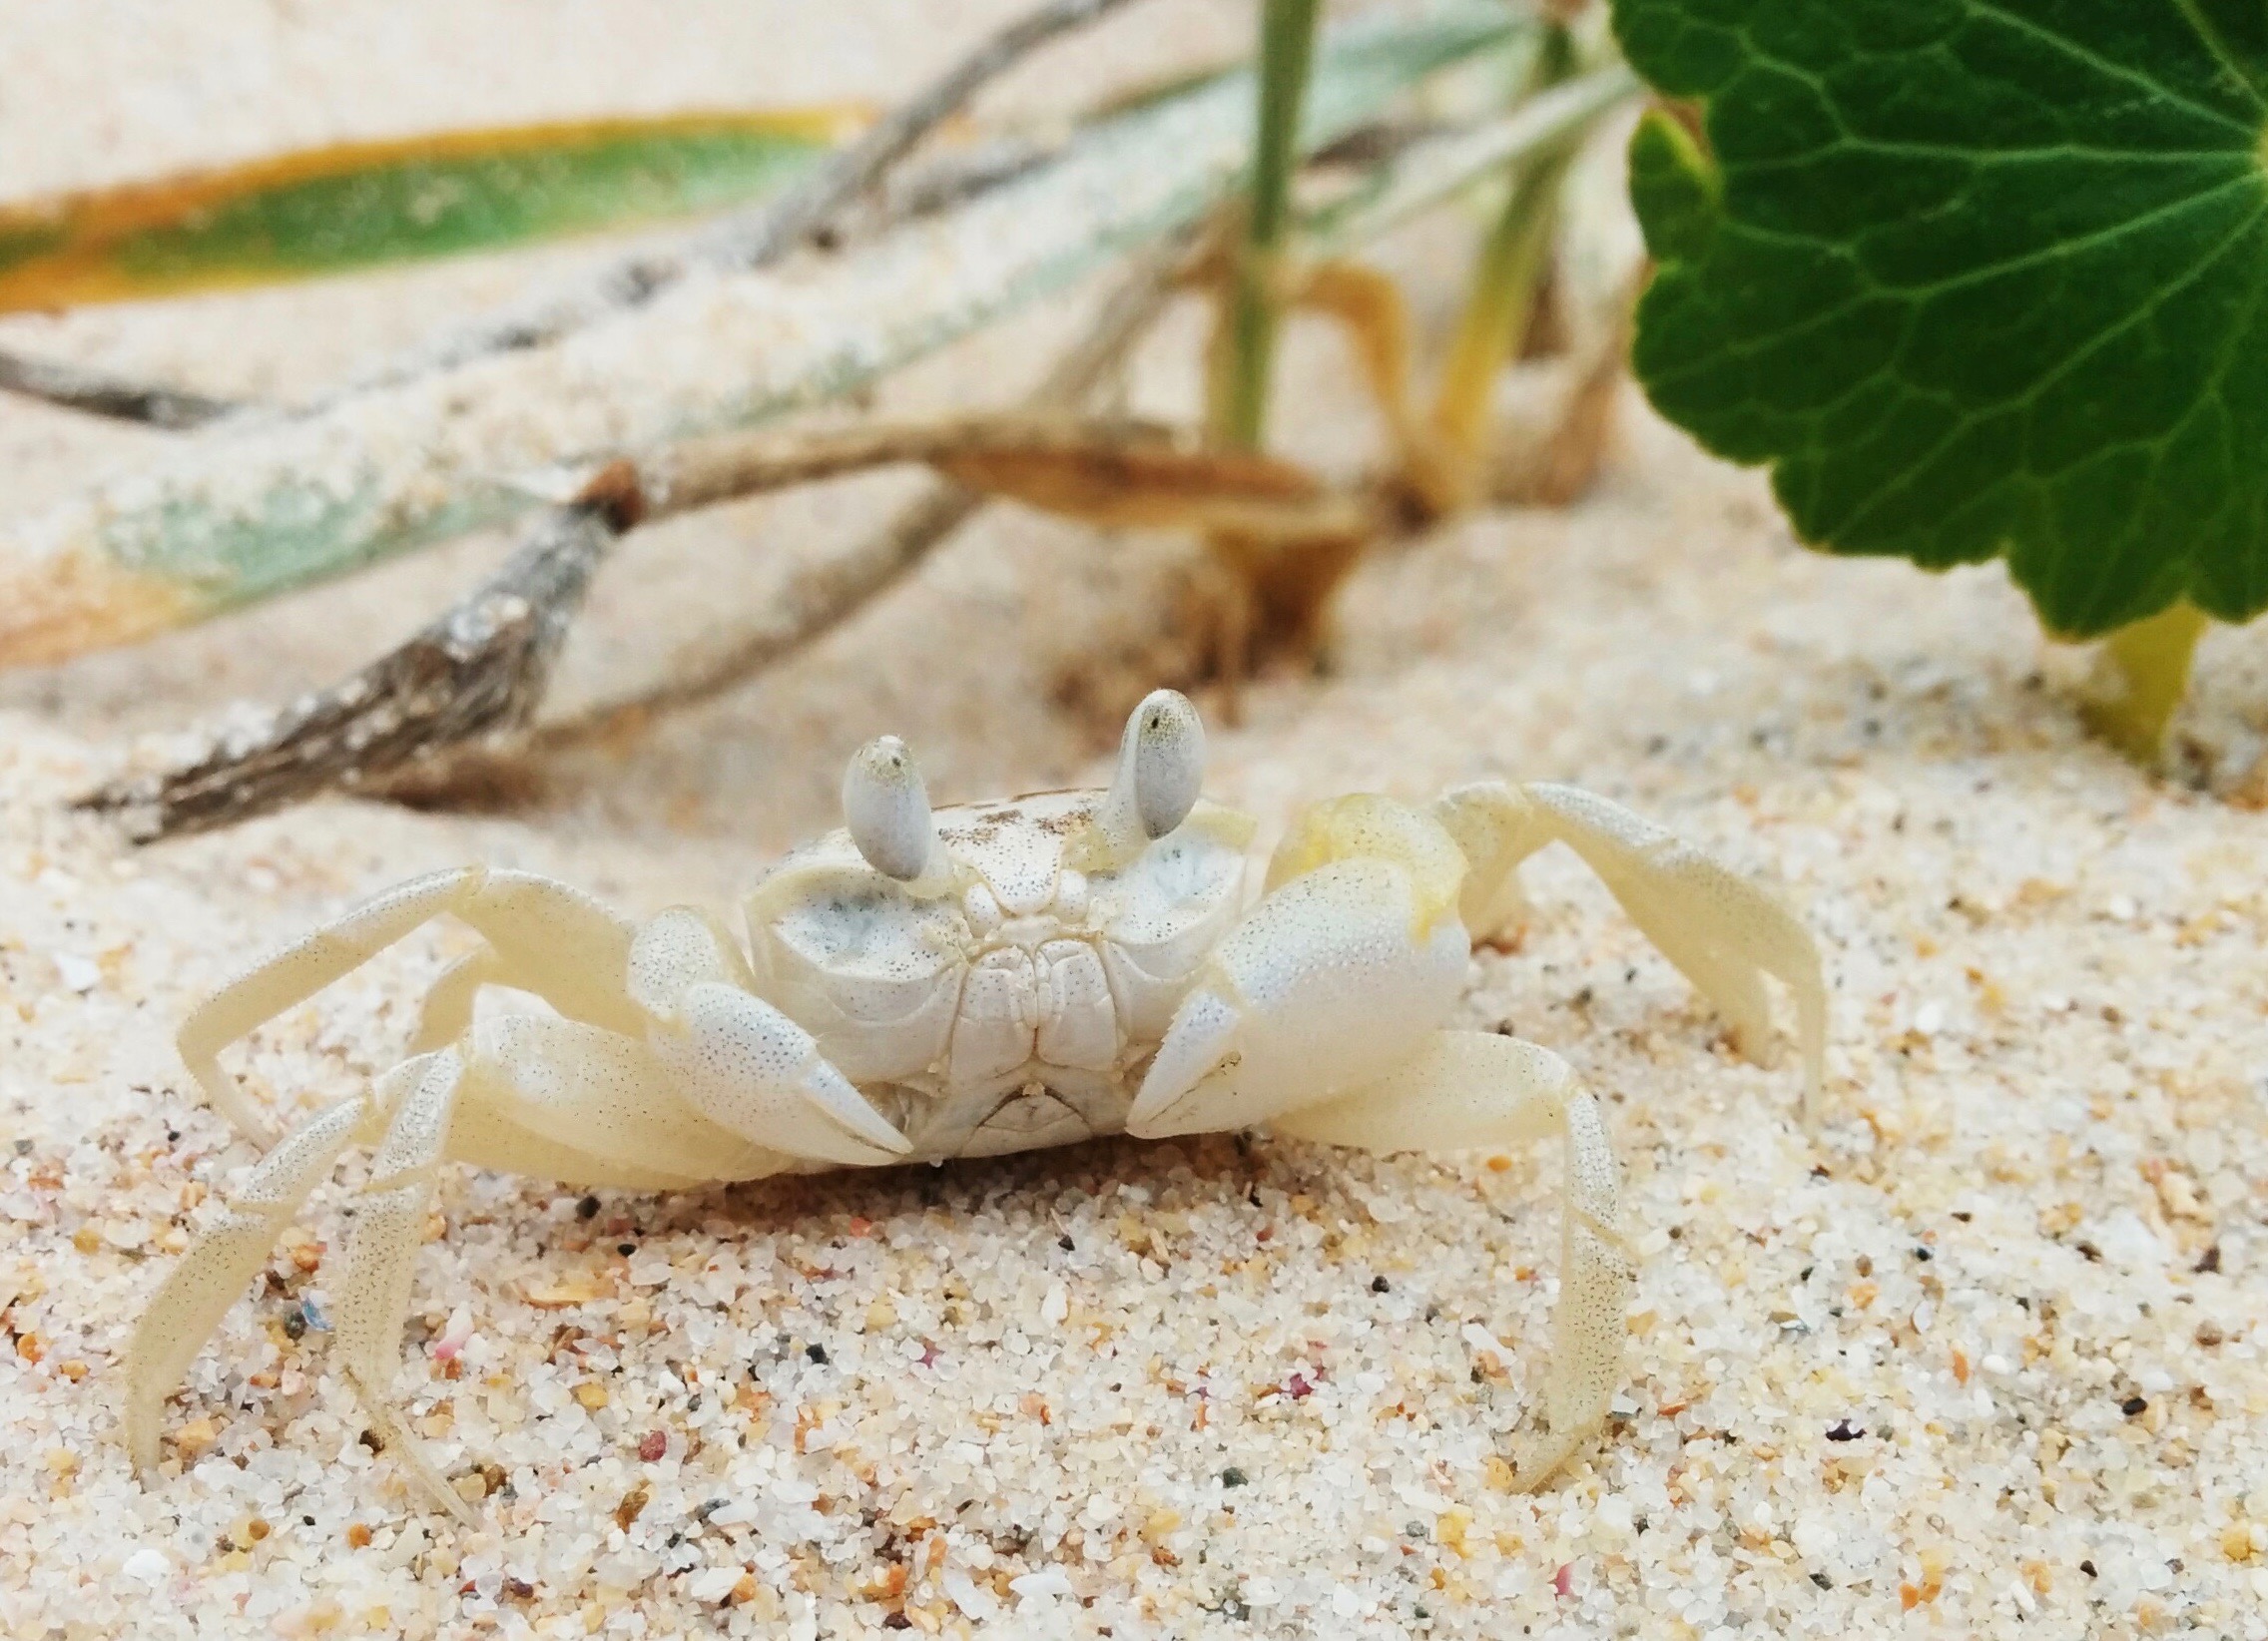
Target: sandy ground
x=1982 y=1357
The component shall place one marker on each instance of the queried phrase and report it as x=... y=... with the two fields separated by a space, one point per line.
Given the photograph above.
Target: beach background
x=1981 y=1356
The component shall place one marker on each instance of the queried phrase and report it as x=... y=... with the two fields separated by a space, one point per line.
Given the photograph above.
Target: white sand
x=1154 y=1390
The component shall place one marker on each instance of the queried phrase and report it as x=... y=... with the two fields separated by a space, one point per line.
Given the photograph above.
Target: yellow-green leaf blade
x=362 y=205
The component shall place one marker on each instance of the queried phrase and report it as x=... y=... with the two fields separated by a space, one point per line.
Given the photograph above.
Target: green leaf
x=1976 y=277
x=359 y=205
x=1673 y=189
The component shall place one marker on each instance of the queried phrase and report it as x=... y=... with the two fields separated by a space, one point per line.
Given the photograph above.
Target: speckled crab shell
x=1025 y=974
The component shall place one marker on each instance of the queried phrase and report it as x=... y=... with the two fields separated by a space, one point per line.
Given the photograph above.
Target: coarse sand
x=1982 y=1357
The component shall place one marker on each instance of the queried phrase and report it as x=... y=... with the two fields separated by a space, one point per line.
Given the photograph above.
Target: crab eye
x=886 y=810
x=1161 y=762
x=1163 y=757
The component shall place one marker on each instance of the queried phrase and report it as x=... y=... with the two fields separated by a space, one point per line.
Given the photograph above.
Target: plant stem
x=2140 y=675
x=1502 y=294
x=1239 y=397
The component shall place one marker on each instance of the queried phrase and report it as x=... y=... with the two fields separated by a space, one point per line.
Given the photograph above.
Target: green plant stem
x=1239 y=397
x=1502 y=293
x=2140 y=675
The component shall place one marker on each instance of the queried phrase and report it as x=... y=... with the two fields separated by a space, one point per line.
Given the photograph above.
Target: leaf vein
x=1996 y=286
x=2104 y=65
x=2028 y=399
x=2217 y=377
x=1912 y=147
x=2210 y=38
x=2093 y=241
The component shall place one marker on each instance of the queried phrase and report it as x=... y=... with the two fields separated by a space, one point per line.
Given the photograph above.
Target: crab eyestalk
x=887 y=811
x=1161 y=763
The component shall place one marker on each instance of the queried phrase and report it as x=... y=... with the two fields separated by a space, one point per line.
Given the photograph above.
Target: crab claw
x=1330 y=981
x=741 y=1062
x=746 y=1066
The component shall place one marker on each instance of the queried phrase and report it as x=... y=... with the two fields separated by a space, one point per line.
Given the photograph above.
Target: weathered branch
x=936 y=183
x=99 y=393
x=1425 y=173
x=1115 y=474
x=470 y=678
x=478 y=670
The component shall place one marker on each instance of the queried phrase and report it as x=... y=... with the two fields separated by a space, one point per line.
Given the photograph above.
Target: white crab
x=991 y=978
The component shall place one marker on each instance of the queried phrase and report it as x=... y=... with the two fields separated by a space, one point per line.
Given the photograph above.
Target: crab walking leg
x=446 y=1013
x=551 y=939
x=740 y=1062
x=1467 y=1089
x=297 y=973
x=212 y=1275
x=1722 y=931
x=613 y=1110
x=381 y=1257
x=571 y=1102
x=529 y=1094
x=1735 y=987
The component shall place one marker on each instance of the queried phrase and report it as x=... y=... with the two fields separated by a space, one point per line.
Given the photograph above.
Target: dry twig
x=1553 y=464
x=1114 y=473
x=936 y=184
x=454 y=706
x=262 y=504
x=814 y=209
x=100 y=394
x=477 y=670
